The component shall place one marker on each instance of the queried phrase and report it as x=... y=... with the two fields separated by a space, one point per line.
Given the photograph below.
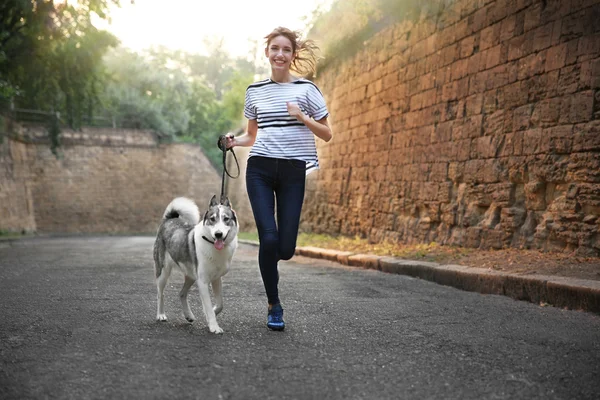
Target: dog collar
x=210 y=241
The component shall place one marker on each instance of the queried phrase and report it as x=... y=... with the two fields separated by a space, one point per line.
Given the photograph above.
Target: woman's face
x=280 y=53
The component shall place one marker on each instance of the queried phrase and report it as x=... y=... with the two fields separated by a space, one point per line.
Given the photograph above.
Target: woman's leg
x=260 y=183
x=290 y=197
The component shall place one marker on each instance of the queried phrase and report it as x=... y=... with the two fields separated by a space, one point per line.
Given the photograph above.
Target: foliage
x=343 y=30
x=143 y=91
x=51 y=55
x=53 y=59
x=186 y=97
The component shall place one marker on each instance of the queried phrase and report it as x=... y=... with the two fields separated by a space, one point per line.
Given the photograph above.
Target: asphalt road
x=77 y=321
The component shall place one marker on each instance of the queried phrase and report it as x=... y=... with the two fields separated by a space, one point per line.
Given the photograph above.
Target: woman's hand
x=320 y=128
x=230 y=141
x=245 y=140
x=295 y=111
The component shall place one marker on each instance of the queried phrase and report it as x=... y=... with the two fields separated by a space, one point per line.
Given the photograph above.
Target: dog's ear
x=225 y=201
x=213 y=201
x=234 y=216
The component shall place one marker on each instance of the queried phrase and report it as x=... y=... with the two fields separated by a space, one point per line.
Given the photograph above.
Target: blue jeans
x=270 y=180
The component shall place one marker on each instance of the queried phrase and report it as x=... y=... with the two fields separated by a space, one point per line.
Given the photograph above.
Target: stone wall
x=479 y=127
x=16 y=201
x=236 y=189
x=106 y=181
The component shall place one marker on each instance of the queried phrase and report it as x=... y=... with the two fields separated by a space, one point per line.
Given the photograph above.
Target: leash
x=222 y=144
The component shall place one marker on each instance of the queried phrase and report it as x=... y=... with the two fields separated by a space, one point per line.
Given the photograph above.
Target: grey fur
x=214 y=212
x=171 y=238
x=201 y=249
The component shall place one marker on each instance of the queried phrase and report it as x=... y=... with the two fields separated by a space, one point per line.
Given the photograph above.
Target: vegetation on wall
x=343 y=30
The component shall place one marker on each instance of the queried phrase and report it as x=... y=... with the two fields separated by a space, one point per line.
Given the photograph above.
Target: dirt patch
x=535 y=262
x=518 y=261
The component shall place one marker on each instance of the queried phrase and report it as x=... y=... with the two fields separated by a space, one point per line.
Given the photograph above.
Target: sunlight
x=188 y=24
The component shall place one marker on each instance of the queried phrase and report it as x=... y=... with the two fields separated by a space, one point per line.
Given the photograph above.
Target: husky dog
x=201 y=249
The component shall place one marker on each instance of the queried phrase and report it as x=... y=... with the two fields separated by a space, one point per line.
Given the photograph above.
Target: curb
x=562 y=292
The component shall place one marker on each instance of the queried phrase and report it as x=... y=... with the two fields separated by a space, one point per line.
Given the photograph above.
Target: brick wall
x=480 y=128
x=106 y=181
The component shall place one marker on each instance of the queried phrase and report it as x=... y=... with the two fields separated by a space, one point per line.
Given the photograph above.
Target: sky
x=185 y=24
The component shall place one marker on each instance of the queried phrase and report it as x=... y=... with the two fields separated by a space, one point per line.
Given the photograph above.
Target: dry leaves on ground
x=519 y=261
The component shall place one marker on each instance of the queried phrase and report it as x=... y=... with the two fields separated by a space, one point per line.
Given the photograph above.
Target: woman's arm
x=320 y=128
x=245 y=140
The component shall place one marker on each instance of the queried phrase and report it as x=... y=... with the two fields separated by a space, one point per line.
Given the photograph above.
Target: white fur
x=186 y=208
x=212 y=265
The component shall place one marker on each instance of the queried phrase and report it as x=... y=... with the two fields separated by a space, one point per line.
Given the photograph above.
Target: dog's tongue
x=219 y=244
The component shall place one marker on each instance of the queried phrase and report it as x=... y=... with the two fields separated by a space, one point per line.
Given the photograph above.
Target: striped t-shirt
x=279 y=134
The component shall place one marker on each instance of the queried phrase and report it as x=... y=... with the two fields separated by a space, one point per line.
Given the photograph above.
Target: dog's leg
x=211 y=318
x=183 y=296
x=161 y=282
x=217 y=288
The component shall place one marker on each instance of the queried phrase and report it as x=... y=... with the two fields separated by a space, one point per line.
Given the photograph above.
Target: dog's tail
x=184 y=208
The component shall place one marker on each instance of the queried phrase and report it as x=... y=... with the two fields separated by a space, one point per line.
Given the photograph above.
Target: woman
x=284 y=114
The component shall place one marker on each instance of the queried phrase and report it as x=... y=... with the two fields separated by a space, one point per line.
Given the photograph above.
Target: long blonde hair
x=305 y=62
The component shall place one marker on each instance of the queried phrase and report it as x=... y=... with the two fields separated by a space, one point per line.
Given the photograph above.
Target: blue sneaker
x=275 y=318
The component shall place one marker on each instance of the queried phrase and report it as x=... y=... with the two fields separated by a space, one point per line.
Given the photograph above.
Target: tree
x=51 y=55
x=143 y=92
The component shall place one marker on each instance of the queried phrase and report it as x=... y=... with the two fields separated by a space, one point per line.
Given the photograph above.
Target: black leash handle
x=222 y=144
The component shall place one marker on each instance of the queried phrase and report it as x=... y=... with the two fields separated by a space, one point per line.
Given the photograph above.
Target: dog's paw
x=161 y=317
x=189 y=317
x=216 y=329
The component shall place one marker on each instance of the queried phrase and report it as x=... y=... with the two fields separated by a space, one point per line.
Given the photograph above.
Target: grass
x=10 y=235
x=425 y=252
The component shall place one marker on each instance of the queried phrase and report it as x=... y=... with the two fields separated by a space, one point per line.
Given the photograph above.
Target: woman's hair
x=305 y=62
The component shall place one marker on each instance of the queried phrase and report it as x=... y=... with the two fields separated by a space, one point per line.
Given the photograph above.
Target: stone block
x=494 y=171
x=493 y=124
x=496 y=55
x=560 y=139
x=533 y=17
x=532 y=140
x=473 y=126
x=522 y=117
x=467 y=46
x=547 y=112
x=483 y=147
x=577 y=108
x=589 y=46
x=584 y=167
x=542 y=37
x=502 y=193
x=586 y=137
x=473 y=237
x=507 y=28
x=556 y=57
x=569 y=80
x=489 y=37
x=518 y=47
x=531 y=65
x=515 y=95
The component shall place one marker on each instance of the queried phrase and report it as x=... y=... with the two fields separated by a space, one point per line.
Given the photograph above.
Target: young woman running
x=285 y=112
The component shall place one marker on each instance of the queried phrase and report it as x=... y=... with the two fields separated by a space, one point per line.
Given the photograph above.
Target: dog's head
x=220 y=221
